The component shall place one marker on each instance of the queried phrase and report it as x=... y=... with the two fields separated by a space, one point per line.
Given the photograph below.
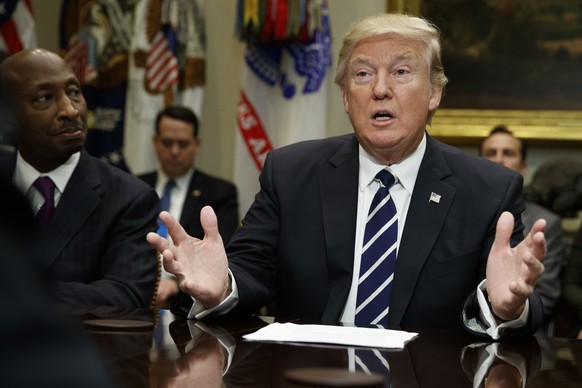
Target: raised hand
x=512 y=272
x=200 y=266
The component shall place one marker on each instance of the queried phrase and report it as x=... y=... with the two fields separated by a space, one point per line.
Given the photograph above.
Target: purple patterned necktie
x=46 y=187
x=378 y=256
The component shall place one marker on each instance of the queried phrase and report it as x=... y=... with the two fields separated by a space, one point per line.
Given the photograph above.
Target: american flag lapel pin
x=434 y=197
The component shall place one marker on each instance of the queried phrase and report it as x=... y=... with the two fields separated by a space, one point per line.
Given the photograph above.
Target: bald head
x=24 y=66
x=45 y=108
x=26 y=63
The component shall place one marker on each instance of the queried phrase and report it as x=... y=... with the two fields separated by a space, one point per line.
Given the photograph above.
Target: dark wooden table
x=178 y=353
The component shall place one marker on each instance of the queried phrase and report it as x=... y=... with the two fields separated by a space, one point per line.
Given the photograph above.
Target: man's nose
x=175 y=148
x=382 y=87
x=66 y=108
x=498 y=157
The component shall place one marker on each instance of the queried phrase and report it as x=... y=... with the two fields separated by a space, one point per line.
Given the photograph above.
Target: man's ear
x=345 y=100
x=436 y=93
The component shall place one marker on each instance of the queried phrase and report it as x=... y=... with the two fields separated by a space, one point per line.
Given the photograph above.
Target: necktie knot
x=386 y=178
x=169 y=186
x=46 y=186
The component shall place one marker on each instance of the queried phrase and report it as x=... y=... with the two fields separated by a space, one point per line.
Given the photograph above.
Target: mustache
x=70 y=127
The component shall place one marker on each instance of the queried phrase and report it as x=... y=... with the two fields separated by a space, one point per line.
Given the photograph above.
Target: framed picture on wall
x=512 y=62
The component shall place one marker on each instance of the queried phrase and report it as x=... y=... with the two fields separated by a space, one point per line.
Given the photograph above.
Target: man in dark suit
x=93 y=237
x=300 y=243
x=176 y=142
x=39 y=347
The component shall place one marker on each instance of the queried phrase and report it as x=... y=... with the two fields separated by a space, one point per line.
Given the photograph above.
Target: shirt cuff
x=197 y=311
x=164 y=274
x=223 y=337
x=491 y=354
x=494 y=329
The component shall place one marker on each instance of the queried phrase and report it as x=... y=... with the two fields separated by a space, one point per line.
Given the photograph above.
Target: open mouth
x=382 y=116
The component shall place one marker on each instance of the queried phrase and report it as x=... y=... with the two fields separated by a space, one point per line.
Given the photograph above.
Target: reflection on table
x=177 y=353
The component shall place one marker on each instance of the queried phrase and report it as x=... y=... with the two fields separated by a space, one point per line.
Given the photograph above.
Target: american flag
x=17 y=27
x=161 y=64
x=77 y=56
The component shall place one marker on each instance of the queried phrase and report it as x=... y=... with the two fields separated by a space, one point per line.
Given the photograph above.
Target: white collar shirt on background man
x=179 y=191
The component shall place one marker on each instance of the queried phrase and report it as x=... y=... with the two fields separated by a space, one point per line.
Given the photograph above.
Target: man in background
x=502 y=147
x=92 y=218
x=183 y=189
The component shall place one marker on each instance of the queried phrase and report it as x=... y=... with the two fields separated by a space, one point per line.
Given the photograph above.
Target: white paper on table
x=337 y=335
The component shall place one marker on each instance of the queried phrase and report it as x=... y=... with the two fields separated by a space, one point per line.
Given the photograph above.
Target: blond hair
x=405 y=26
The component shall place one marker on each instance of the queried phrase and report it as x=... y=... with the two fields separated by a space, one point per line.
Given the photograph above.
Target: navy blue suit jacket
x=296 y=243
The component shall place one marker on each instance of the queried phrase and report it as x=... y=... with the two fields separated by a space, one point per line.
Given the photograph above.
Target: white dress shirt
x=25 y=175
x=179 y=191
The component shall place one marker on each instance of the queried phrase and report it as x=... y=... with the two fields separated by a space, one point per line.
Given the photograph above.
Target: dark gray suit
x=549 y=284
x=296 y=245
x=206 y=190
x=94 y=248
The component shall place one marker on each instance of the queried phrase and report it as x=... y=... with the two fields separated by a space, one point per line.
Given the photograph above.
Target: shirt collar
x=25 y=174
x=405 y=172
x=182 y=182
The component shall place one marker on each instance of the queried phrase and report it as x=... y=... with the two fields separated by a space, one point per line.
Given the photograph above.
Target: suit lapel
x=423 y=225
x=339 y=209
x=80 y=199
x=192 y=201
x=7 y=166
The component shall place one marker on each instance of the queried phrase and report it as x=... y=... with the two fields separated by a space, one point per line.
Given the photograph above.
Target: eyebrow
x=71 y=80
x=358 y=61
x=406 y=56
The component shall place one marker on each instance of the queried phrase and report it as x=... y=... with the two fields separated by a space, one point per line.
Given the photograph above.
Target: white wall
x=224 y=67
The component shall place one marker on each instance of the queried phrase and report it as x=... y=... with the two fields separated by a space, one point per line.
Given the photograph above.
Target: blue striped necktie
x=373 y=361
x=378 y=256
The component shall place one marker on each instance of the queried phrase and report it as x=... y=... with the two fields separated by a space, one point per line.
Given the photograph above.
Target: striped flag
x=94 y=38
x=166 y=66
x=17 y=26
x=17 y=32
x=77 y=56
x=162 y=64
x=283 y=100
